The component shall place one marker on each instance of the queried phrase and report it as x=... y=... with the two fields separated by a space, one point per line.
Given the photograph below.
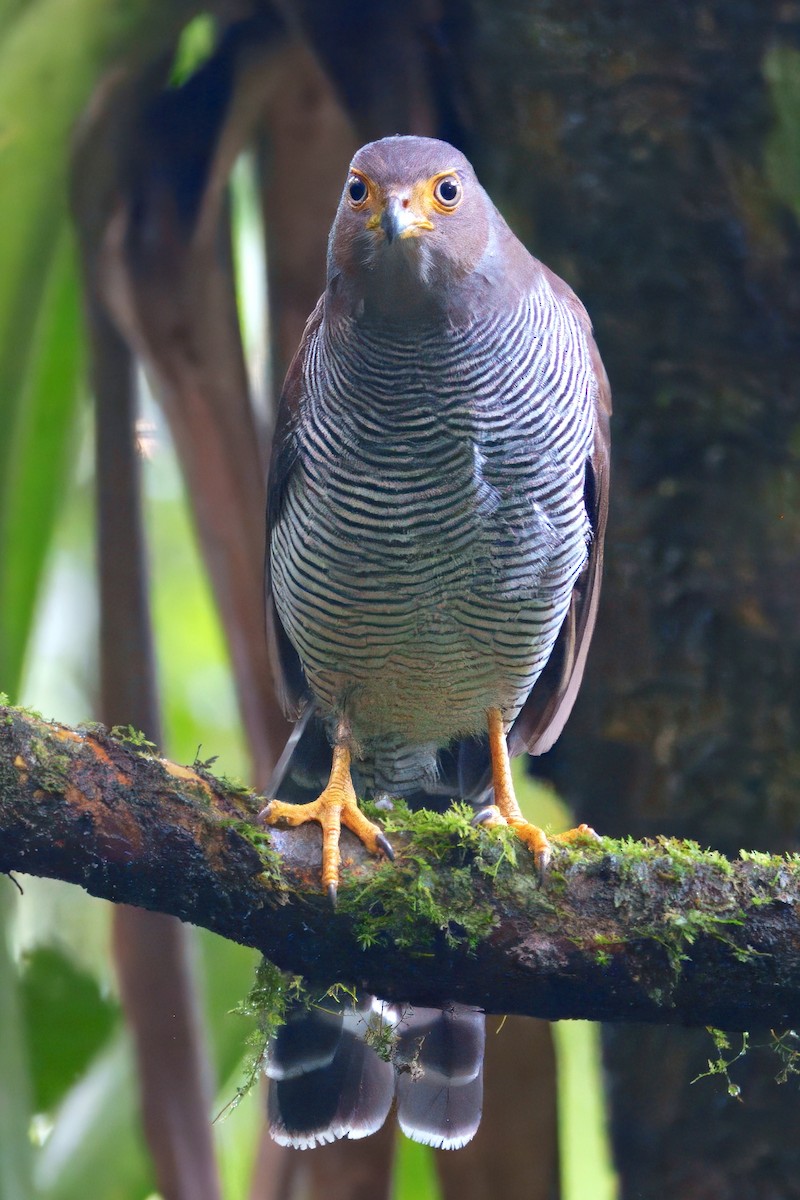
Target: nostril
x=405 y=202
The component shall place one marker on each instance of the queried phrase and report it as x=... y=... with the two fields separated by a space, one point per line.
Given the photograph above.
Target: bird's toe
x=385 y=845
x=489 y=817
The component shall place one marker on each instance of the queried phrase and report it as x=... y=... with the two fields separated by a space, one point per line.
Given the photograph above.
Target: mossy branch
x=624 y=931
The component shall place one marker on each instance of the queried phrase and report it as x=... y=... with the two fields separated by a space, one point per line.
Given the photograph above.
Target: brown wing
x=550 y=702
x=290 y=681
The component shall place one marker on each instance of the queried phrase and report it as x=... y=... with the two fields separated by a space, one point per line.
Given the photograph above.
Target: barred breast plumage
x=437 y=503
x=435 y=525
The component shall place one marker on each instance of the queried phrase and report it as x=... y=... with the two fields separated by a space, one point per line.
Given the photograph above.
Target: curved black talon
x=483 y=815
x=542 y=862
x=262 y=816
x=333 y=894
x=385 y=845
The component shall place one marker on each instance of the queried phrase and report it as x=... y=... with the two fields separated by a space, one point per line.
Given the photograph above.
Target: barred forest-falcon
x=437 y=502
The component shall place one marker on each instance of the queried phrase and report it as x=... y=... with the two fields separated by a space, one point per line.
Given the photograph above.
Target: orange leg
x=336 y=806
x=506 y=810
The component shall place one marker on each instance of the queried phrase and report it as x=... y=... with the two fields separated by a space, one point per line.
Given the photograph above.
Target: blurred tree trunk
x=152 y=952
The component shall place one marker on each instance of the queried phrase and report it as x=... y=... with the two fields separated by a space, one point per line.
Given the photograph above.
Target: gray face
x=412 y=224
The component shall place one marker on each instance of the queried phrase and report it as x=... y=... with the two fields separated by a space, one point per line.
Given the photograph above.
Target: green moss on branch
x=620 y=930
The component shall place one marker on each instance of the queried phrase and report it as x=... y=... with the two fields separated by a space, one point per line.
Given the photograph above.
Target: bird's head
x=412 y=225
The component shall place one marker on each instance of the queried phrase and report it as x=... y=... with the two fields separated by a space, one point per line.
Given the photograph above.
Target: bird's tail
x=325 y=1080
x=439 y=1062
x=334 y=1069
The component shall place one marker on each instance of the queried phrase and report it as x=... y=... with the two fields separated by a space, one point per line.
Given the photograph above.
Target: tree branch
x=630 y=931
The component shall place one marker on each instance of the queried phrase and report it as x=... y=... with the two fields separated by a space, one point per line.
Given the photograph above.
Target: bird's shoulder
x=290 y=683
x=286 y=433
x=575 y=306
x=549 y=704
x=524 y=274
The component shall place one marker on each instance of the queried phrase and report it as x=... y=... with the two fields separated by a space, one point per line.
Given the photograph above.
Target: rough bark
x=618 y=931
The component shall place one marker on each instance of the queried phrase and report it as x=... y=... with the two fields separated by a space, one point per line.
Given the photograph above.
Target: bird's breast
x=431 y=535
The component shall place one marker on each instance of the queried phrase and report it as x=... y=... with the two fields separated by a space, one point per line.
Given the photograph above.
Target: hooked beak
x=399 y=220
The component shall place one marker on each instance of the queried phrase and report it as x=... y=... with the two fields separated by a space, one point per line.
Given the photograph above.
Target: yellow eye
x=357 y=191
x=448 y=192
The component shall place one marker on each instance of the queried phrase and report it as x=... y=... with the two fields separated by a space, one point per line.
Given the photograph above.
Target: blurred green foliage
x=67 y=1021
x=52 y=54
x=782 y=153
x=84 y=1120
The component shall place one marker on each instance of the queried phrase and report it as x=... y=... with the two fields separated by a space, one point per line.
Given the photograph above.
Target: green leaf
x=538 y=801
x=415 y=1172
x=96 y=1147
x=91 y=1144
x=9 y=11
x=782 y=152
x=45 y=80
x=15 y=1146
x=53 y=53
x=227 y=972
x=586 y=1163
x=42 y=440
x=67 y=1020
x=195 y=45
x=199 y=700
x=236 y=1141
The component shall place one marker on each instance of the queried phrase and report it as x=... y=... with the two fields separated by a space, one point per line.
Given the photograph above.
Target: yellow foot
x=336 y=806
x=581 y=833
x=532 y=836
x=506 y=811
